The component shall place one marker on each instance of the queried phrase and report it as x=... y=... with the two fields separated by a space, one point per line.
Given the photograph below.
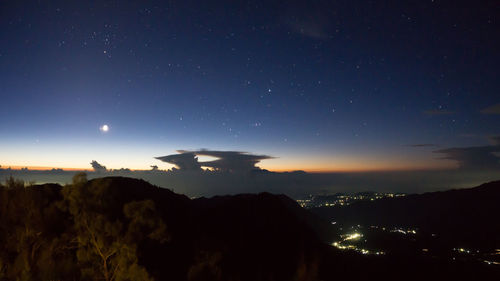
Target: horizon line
x=312 y=171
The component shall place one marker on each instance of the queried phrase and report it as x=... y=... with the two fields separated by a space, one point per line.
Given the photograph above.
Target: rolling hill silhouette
x=50 y=232
x=463 y=217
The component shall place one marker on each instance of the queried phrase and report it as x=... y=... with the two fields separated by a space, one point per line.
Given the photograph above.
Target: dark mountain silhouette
x=463 y=217
x=126 y=229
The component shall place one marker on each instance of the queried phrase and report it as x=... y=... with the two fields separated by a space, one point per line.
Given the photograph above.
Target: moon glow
x=104 y=128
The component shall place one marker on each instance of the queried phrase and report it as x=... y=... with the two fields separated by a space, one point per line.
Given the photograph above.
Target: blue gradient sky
x=320 y=85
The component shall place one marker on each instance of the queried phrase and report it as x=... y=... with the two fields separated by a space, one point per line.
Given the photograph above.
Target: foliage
x=107 y=245
x=35 y=247
x=126 y=229
x=69 y=233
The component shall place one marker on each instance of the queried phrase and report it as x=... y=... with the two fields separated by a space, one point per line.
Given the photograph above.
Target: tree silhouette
x=107 y=244
x=35 y=246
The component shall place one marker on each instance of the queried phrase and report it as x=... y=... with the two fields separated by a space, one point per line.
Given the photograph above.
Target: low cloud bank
x=227 y=161
x=294 y=184
x=475 y=157
x=493 y=110
x=236 y=172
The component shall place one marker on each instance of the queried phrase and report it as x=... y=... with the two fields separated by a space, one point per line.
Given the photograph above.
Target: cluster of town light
x=343 y=200
x=397 y=230
x=480 y=256
x=353 y=237
x=348 y=242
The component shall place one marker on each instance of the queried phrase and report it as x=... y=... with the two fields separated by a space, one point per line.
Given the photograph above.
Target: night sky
x=320 y=85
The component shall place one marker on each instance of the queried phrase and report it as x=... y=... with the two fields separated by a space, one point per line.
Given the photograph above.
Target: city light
x=353 y=236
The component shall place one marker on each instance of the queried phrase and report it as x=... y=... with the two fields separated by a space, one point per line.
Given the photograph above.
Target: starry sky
x=319 y=85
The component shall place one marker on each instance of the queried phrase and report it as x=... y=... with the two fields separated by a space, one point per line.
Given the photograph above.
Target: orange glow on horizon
x=322 y=166
x=43 y=168
x=374 y=170
x=274 y=168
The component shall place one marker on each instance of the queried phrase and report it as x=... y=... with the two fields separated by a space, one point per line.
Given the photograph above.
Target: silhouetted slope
x=174 y=208
x=163 y=261
x=256 y=234
x=271 y=203
x=464 y=217
x=241 y=237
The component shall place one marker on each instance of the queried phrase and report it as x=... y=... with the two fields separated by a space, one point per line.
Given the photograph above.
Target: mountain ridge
x=462 y=215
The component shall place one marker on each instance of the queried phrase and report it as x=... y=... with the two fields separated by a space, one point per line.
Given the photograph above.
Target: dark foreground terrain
x=127 y=229
x=466 y=218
